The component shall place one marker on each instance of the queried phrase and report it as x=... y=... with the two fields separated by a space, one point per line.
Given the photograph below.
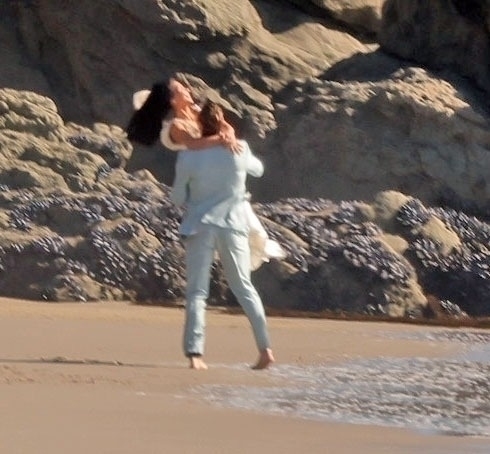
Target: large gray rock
x=440 y=34
x=349 y=140
x=360 y=15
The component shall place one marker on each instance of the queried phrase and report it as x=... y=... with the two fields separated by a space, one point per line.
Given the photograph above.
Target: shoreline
x=449 y=322
x=110 y=377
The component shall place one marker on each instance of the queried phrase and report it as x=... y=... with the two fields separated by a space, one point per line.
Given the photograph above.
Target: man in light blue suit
x=211 y=184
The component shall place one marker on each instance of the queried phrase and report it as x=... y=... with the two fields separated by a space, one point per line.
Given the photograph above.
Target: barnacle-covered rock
x=74 y=228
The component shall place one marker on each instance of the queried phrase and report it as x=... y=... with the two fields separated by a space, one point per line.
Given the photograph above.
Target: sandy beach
x=110 y=378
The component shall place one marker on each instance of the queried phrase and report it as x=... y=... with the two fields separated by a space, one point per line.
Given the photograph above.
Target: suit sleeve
x=254 y=165
x=180 y=191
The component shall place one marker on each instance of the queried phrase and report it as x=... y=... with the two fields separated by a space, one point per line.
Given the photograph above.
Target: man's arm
x=180 y=191
x=254 y=165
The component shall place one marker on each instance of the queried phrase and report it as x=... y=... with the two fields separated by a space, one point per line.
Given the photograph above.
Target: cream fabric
x=139 y=98
x=262 y=248
x=190 y=126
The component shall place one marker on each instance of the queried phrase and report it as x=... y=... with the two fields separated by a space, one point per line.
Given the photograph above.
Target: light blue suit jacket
x=211 y=183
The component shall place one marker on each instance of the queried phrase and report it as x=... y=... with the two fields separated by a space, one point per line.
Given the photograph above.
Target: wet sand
x=110 y=378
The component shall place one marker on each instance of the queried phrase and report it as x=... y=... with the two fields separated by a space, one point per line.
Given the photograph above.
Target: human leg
x=199 y=257
x=234 y=252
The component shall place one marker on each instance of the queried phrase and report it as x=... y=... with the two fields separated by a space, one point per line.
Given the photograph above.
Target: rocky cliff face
x=372 y=122
x=344 y=100
x=440 y=34
x=409 y=131
x=362 y=16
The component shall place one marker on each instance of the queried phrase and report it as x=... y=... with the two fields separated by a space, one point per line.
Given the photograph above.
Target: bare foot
x=196 y=362
x=266 y=358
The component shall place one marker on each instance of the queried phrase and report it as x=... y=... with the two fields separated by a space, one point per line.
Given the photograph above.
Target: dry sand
x=110 y=378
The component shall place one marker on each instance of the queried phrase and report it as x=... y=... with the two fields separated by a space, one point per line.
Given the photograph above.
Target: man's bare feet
x=266 y=358
x=196 y=362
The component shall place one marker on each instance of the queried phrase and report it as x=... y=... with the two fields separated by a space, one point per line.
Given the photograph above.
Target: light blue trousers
x=234 y=252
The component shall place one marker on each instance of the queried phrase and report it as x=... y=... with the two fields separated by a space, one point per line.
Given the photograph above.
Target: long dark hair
x=146 y=123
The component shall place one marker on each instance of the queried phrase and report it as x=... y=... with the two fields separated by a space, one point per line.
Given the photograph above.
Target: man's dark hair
x=146 y=123
x=209 y=118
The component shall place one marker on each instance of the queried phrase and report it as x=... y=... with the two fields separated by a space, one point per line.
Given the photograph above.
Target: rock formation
x=363 y=16
x=353 y=105
x=409 y=131
x=75 y=226
x=440 y=34
x=374 y=122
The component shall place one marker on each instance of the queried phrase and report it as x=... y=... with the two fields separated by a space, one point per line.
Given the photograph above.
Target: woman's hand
x=229 y=140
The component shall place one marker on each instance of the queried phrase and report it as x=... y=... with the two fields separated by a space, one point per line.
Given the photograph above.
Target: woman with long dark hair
x=146 y=123
x=169 y=112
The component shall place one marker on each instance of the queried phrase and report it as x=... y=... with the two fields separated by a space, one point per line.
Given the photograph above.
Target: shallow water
x=436 y=395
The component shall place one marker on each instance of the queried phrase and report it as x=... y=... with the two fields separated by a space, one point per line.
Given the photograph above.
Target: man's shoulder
x=205 y=152
x=245 y=147
x=242 y=141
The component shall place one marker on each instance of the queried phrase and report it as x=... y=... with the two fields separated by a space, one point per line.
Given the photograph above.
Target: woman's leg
x=199 y=257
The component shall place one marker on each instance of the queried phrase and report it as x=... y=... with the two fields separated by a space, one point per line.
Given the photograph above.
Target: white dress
x=262 y=248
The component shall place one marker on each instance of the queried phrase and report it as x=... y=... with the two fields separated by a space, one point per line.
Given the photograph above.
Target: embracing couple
x=210 y=181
